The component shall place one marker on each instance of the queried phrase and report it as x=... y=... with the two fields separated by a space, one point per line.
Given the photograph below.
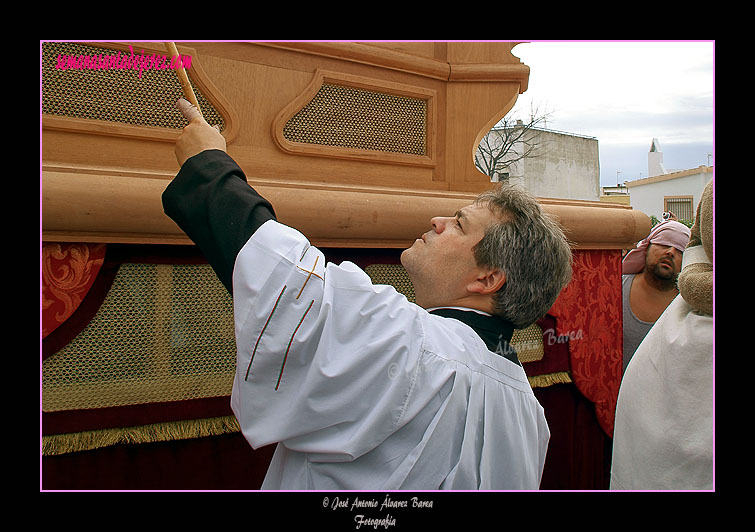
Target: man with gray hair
x=360 y=388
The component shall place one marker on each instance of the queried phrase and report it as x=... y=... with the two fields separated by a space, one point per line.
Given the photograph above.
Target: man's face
x=441 y=262
x=665 y=262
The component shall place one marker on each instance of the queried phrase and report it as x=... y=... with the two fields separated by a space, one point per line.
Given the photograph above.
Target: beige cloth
x=696 y=278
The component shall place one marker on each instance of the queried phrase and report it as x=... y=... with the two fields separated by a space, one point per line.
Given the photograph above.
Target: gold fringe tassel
x=58 y=444
x=542 y=381
x=176 y=430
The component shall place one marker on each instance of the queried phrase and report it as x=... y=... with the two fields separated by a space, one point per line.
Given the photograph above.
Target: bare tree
x=510 y=141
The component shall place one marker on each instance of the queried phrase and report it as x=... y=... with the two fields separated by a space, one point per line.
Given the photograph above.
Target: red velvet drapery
x=582 y=336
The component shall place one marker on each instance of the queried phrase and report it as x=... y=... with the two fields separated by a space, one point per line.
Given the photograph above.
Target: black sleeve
x=213 y=204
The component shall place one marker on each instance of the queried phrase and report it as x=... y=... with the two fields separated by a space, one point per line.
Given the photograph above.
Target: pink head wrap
x=668 y=233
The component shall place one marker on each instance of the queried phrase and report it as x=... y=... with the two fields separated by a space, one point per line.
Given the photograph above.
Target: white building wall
x=566 y=167
x=647 y=194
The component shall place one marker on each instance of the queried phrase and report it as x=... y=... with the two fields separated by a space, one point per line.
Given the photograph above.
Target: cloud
x=609 y=84
x=625 y=94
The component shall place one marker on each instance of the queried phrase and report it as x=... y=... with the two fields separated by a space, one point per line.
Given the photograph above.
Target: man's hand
x=197 y=136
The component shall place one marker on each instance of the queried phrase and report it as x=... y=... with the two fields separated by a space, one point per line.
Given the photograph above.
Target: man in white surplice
x=360 y=388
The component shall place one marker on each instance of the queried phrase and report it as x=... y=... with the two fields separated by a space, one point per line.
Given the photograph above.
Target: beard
x=665 y=274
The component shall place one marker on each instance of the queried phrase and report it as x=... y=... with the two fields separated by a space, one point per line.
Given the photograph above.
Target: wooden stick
x=183 y=78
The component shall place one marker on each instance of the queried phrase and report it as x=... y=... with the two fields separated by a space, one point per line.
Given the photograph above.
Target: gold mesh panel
x=163 y=333
x=348 y=117
x=113 y=94
x=394 y=275
x=528 y=343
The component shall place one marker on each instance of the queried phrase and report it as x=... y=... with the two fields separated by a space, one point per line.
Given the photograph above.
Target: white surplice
x=362 y=389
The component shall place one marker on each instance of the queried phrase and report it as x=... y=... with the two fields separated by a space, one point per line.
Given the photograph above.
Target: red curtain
x=586 y=343
x=68 y=273
x=589 y=313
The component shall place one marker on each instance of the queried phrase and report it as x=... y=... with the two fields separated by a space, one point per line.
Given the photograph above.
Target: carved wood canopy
x=357 y=144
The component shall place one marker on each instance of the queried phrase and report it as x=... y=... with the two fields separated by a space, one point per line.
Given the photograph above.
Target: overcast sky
x=625 y=94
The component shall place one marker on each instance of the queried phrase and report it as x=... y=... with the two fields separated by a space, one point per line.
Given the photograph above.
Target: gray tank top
x=634 y=328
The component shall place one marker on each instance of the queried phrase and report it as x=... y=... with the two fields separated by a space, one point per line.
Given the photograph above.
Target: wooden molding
x=97 y=205
x=370 y=55
x=505 y=72
x=441 y=69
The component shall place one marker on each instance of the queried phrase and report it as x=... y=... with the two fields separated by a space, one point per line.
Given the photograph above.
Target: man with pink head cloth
x=649 y=280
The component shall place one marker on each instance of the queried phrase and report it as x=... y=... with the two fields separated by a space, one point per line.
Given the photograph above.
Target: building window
x=679 y=205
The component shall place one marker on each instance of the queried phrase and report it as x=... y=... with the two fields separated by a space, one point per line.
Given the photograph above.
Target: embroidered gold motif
x=263 y=332
x=291 y=342
x=311 y=273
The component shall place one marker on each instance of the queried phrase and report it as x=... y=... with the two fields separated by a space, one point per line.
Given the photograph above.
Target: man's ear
x=487 y=282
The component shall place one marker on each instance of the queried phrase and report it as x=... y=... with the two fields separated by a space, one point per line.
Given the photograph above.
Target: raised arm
x=210 y=199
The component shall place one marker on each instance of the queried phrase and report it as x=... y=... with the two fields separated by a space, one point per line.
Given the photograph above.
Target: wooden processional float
x=356 y=144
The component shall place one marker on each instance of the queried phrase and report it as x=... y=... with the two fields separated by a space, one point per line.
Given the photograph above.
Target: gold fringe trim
x=58 y=444
x=542 y=381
